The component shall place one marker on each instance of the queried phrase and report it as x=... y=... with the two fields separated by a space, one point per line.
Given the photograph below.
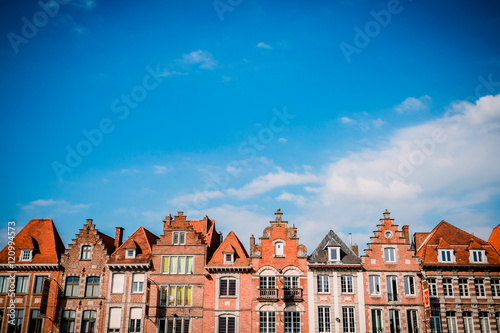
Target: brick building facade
x=463 y=276
x=392 y=284
x=279 y=280
x=37 y=254
x=335 y=280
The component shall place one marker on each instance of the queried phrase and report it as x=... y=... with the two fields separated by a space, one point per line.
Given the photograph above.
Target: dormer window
x=333 y=254
x=228 y=258
x=477 y=256
x=179 y=238
x=130 y=253
x=26 y=255
x=446 y=256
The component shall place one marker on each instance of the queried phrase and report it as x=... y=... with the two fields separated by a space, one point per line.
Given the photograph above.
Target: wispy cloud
x=347 y=120
x=264 y=46
x=160 y=169
x=61 y=206
x=299 y=200
x=412 y=104
x=282 y=140
x=203 y=58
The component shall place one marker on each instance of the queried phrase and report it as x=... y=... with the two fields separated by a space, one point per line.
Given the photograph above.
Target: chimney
x=167 y=221
x=205 y=224
x=294 y=231
x=354 y=248
x=252 y=243
x=89 y=221
x=118 y=237
x=406 y=234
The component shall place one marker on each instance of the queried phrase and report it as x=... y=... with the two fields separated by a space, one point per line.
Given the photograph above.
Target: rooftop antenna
x=350 y=239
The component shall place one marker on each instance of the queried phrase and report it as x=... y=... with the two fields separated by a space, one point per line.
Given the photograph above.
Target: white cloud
x=59 y=206
x=159 y=169
x=299 y=200
x=129 y=171
x=203 y=58
x=282 y=140
x=346 y=120
x=264 y=46
x=195 y=199
x=412 y=104
x=272 y=180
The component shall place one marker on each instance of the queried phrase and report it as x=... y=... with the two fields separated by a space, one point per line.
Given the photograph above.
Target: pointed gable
x=474 y=245
x=142 y=240
x=320 y=254
x=443 y=244
x=41 y=236
x=494 y=239
x=231 y=244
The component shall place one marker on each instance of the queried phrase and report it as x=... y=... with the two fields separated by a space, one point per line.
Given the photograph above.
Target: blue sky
x=331 y=110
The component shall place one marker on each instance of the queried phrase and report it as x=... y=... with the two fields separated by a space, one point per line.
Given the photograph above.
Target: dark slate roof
x=320 y=254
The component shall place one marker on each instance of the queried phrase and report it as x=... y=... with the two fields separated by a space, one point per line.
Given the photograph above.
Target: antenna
x=350 y=239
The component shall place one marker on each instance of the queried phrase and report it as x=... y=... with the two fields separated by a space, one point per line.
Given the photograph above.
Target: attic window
x=278 y=250
x=179 y=238
x=333 y=254
x=446 y=256
x=477 y=256
x=130 y=254
x=228 y=258
x=26 y=255
x=86 y=252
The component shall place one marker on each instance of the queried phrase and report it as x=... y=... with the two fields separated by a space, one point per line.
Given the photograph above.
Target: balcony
x=268 y=294
x=292 y=295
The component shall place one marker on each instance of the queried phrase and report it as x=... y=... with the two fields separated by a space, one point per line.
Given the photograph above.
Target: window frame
x=377 y=324
x=114 y=278
x=267 y=322
x=227 y=321
x=130 y=255
x=66 y=326
x=86 y=252
x=446 y=256
x=373 y=286
x=89 y=320
x=25 y=282
x=230 y=256
x=410 y=286
x=478 y=257
x=432 y=284
x=324 y=320
x=395 y=321
x=163 y=324
x=279 y=249
x=495 y=288
x=348 y=319
x=36 y=320
x=332 y=249
x=138 y=286
x=463 y=287
x=26 y=255
x=36 y=284
x=167 y=291
x=468 y=322
x=451 y=322
x=177 y=264
x=178 y=238
x=225 y=291
x=346 y=284
x=325 y=287
x=479 y=287
x=392 y=283
x=484 y=322
x=72 y=284
x=292 y=321
x=447 y=287
x=92 y=285
x=390 y=255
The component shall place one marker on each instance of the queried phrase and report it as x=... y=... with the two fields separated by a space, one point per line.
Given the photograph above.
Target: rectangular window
x=323 y=284
x=324 y=319
x=409 y=286
x=92 y=289
x=39 y=284
x=484 y=322
x=446 y=256
x=392 y=288
x=227 y=324
x=479 y=286
x=266 y=282
x=346 y=284
x=115 y=319
x=228 y=258
x=138 y=283
x=389 y=255
x=374 y=285
x=468 y=325
x=377 y=321
x=36 y=322
x=117 y=283
x=86 y=252
x=412 y=319
x=497 y=319
x=4 y=284
x=495 y=287
x=26 y=255
x=348 y=320
x=227 y=287
x=394 y=325
x=174 y=325
x=22 y=284
x=435 y=321
x=130 y=253
x=179 y=238
x=267 y=322
x=451 y=322
x=17 y=321
x=447 y=287
x=68 y=321
x=292 y=322
x=88 y=322
x=433 y=290
x=178 y=265
x=477 y=256
x=135 y=320
x=463 y=287
x=176 y=295
x=333 y=254
x=291 y=282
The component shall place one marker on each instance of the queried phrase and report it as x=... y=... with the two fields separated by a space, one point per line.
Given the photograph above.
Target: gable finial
x=278 y=215
x=387 y=215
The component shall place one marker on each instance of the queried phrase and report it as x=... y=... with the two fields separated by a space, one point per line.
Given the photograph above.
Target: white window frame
x=323 y=281
x=137 y=283
x=478 y=257
x=178 y=238
x=451 y=322
x=129 y=255
x=374 y=281
x=346 y=284
x=171 y=271
x=433 y=291
x=463 y=288
x=324 y=321
x=447 y=287
x=446 y=255
x=227 y=289
x=468 y=323
x=331 y=250
x=267 y=321
x=114 y=278
x=26 y=255
x=495 y=288
x=409 y=281
x=484 y=322
x=348 y=319
x=230 y=256
x=479 y=287
x=389 y=255
x=279 y=249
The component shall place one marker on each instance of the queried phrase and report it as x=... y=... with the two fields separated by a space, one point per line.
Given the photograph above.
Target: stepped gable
x=41 y=236
x=320 y=254
x=142 y=241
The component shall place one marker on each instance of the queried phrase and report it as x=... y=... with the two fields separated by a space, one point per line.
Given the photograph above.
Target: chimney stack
x=167 y=221
x=205 y=224
x=406 y=234
x=252 y=243
x=118 y=237
x=354 y=248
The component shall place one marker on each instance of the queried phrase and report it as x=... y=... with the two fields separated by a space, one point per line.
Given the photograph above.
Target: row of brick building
x=190 y=279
